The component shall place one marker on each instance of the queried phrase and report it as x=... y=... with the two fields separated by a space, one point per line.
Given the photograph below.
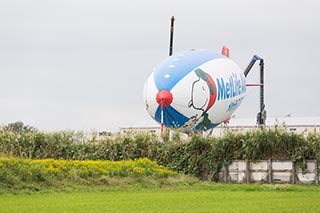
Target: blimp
x=195 y=90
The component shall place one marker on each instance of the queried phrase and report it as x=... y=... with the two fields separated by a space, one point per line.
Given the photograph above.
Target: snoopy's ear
x=190 y=104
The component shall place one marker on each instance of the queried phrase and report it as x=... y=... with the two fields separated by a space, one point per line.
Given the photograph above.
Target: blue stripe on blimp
x=171 y=117
x=175 y=67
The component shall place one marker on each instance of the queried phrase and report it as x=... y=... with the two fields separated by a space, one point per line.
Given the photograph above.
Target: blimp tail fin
x=225 y=51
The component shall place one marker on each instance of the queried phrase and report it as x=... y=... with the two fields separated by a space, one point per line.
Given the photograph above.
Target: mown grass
x=201 y=197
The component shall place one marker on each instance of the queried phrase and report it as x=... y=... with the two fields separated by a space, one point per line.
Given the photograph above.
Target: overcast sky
x=81 y=65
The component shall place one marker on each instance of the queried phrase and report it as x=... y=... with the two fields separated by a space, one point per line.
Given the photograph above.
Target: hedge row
x=199 y=156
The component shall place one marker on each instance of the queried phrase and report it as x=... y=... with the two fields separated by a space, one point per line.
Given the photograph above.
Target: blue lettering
x=231 y=84
x=227 y=91
x=238 y=87
x=232 y=87
x=221 y=89
x=234 y=104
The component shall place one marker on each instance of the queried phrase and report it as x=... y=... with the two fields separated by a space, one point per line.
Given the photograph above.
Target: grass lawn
x=211 y=198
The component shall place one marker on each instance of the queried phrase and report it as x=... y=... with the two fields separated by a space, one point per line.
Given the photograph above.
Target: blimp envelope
x=194 y=90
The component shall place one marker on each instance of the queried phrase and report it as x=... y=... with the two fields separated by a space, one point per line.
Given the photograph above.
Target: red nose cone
x=164 y=98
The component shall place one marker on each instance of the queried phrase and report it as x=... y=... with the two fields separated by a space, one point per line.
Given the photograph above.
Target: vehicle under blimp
x=196 y=90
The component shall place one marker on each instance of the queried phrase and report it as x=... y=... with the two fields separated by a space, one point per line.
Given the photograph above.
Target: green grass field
x=140 y=186
x=199 y=198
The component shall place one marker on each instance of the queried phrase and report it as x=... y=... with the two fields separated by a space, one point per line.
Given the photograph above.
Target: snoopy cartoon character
x=203 y=97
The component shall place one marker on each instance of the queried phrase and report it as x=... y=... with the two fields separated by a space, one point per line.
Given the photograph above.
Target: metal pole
x=262 y=115
x=262 y=106
x=171 y=35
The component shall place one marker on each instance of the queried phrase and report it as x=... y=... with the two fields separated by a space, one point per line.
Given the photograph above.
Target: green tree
x=19 y=127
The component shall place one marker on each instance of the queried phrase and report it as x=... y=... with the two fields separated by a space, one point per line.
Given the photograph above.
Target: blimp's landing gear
x=262 y=115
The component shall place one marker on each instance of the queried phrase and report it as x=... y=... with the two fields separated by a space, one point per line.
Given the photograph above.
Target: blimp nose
x=164 y=98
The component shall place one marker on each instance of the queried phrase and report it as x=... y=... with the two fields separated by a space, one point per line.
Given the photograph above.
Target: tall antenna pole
x=171 y=35
x=263 y=113
x=170 y=53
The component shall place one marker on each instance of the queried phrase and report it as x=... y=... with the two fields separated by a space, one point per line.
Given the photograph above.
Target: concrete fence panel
x=270 y=171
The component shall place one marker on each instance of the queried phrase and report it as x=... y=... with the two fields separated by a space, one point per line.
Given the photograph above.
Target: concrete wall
x=220 y=131
x=268 y=171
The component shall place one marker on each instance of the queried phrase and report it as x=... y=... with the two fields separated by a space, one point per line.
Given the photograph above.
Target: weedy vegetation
x=67 y=171
x=202 y=157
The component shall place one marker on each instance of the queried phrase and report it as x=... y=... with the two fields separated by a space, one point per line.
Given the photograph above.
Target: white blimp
x=196 y=90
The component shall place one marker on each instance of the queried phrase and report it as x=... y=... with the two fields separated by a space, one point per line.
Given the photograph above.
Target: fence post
x=225 y=173
x=317 y=172
x=293 y=173
x=248 y=173
x=270 y=172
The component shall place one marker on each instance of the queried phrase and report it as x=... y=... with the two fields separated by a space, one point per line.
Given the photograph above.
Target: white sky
x=81 y=65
